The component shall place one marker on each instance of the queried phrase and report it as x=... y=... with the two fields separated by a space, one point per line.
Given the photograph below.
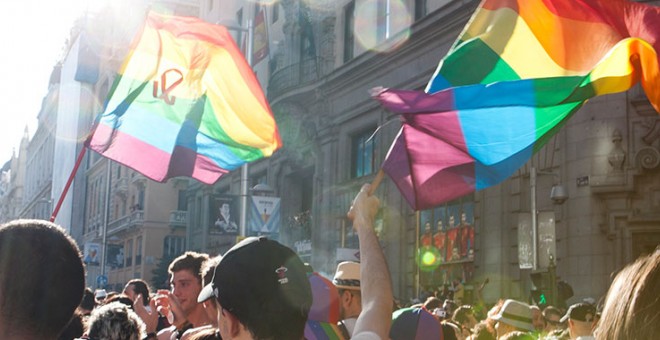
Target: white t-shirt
x=366 y=336
x=350 y=324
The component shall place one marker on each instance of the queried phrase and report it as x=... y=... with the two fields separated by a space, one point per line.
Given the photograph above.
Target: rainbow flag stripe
x=518 y=71
x=324 y=312
x=185 y=103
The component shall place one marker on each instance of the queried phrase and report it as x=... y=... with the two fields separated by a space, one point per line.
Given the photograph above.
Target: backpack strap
x=342 y=328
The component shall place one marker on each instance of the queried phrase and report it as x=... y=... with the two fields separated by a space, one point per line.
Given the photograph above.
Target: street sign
x=101 y=280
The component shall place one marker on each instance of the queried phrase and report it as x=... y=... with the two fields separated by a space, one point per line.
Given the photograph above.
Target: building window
x=173 y=246
x=261 y=178
x=275 y=14
x=349 y=25
x=129 y=253
x=239 y=17
x=140 y=203
x=448 y=233
x=138 y=251
x=383 y=20
x=363 y=154
x=182 y=202
x=420 y=9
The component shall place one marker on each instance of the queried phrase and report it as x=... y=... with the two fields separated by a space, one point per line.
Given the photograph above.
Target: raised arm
x=376 y=284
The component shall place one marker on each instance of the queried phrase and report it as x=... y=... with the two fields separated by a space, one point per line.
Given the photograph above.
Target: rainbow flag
x=324 y=313
x=517 y=72
x=185 y=103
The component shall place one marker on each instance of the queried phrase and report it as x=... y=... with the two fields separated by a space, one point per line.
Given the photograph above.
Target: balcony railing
x=178 y=218
x=125 y=222
x=295 y=76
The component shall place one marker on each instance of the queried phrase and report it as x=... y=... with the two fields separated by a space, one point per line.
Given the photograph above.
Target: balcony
x=121 y=187
x=138 y=179
x=294 y=76
x=126 y=222
x=178 y=218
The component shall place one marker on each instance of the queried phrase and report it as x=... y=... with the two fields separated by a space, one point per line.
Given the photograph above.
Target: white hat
x=516 y=314
x=100 y=294
x=347 y=275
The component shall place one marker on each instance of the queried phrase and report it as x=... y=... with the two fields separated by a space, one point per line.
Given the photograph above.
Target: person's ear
x=346 y=296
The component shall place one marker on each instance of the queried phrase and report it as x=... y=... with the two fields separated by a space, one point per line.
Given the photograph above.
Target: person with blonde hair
x=632 y=306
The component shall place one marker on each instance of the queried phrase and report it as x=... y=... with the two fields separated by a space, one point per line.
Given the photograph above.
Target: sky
x=32 y=36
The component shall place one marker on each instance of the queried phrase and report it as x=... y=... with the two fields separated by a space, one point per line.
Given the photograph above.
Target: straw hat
x=347 y=275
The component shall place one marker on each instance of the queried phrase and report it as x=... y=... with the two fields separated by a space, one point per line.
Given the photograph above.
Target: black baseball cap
x=581 y=311
x=260 y=277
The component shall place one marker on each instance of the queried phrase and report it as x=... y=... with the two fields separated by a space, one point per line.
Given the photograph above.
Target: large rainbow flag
x=517 y=72
x=185 y=103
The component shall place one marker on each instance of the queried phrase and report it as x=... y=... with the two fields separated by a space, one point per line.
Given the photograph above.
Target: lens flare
x=428 y=258
x=382 y=25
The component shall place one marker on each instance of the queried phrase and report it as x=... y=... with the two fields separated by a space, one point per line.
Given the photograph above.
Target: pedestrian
x=632 y=307
x=347 y=281
x=580 y=318
x=180 y=304
x=42 y=279
x=263 y=291
x=552 y=317
x=115 y=321
x=513 y=316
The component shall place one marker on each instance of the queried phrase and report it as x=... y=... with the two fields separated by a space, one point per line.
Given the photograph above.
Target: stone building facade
x=318 y=82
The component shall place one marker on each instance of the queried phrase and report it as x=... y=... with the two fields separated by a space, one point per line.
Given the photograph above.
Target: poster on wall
x=525 y=254
x=92 y=254
x=224 y=215
x=547 y=238
x=264 y=215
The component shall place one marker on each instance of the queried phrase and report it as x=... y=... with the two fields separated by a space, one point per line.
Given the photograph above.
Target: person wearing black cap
x=263 y=292
x=580 y=317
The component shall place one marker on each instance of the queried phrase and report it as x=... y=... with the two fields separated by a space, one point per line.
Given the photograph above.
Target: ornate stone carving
x=647 y=158
x=617 y=156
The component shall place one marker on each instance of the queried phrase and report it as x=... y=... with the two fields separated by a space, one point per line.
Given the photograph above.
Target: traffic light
x=541 y=293
x=548 y=292
x=428 y=258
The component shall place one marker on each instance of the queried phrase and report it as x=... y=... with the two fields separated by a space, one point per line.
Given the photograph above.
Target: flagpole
x=244 y=169
x=68 y=184
x=376 y=182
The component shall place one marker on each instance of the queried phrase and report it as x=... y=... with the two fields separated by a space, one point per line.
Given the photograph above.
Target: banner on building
x=348 y=254
x=260 y=42
x=264 y=217
x=224 y=215
x=92 y=253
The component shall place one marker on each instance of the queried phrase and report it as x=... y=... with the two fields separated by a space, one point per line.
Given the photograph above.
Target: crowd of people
x=260 y=289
